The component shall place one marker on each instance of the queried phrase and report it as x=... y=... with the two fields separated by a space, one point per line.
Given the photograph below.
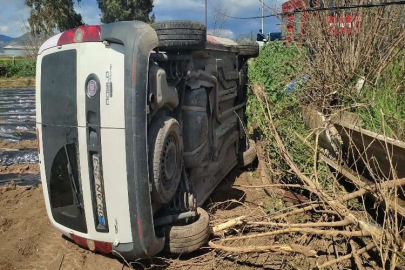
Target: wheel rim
x=170 y=160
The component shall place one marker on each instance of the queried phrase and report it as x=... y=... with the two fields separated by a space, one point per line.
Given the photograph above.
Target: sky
x=14 y=14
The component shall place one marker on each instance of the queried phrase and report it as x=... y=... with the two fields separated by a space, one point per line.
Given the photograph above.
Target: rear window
x=65 y=189
x=60 y=138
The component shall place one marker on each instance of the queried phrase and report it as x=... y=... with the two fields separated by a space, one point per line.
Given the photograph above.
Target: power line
x=268 y=7
x=314 y=10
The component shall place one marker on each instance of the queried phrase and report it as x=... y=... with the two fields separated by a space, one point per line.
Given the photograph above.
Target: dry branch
x=362 y=233
x=347 y=257
x=341 y=209
x=311 y=207
x=369 y=189
x=293 y=248
x=356 y=257
x=342 y=223
x=273 y=186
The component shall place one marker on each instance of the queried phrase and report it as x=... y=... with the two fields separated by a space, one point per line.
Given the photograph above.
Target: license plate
x=99 y=189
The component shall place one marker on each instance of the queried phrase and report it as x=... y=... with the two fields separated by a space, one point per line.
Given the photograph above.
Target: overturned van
x=137 y=125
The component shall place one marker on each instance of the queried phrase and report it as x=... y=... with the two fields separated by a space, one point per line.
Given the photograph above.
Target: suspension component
x=183 y=201
x=176 y=69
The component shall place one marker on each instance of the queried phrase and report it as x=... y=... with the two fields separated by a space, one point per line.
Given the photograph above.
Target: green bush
x=21 y=68
x=277 y=66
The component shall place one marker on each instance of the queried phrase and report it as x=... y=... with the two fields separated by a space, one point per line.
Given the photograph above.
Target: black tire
x=181 y=35
x=247 y=157
x=165 y=158
x=249 y=49
x=188 y=238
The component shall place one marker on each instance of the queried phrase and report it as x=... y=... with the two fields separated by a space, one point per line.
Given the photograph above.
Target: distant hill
x=4 y=38
x=20 y=41
x=9 y=41
x=4 y=41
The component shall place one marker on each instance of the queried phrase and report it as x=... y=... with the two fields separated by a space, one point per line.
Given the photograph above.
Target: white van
x=136 y=127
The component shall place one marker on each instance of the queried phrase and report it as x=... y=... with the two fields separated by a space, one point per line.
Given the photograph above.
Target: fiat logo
x=92 y=89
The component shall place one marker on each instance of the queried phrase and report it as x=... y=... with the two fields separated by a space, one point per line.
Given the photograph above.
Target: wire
x=313 y=10
x=268 y=8
x=264 y=4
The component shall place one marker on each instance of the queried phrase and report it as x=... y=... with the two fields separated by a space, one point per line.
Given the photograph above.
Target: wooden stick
x=305 y=225
x=347 y=257
x=357 y=259
x=368 y=189
x=297 y=211
x=362 y=233
x=275 y=186
x=292 y=248
x=229 y=224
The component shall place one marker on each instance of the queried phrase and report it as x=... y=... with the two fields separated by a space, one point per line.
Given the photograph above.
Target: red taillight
x=79 y=240
x=101 y=247
x=81 y=34
x=38 y=142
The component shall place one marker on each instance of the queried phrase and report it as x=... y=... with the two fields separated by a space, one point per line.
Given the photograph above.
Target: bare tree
x=31 y=40
x=219 y=20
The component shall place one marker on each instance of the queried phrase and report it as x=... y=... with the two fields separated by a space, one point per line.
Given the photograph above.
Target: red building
x=297 y=12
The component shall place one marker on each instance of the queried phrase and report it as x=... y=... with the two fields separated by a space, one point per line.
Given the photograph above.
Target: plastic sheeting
x=27 y=156
x=17 y=136
x=11 y=127
x=17 y=114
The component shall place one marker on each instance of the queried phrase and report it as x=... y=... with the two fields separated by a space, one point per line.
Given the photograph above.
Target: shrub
x=21 y=68
x=276 y=67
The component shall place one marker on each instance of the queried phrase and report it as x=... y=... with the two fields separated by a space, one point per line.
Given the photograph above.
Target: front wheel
x=247 y=157
x=188 y=238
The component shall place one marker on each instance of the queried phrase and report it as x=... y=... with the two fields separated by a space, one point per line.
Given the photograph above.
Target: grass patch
x=385 y=101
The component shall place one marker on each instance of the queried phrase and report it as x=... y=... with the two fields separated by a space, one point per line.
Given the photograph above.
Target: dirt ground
x=18 y=145
x=20 y=169
x=16 y=82
x=30 y=242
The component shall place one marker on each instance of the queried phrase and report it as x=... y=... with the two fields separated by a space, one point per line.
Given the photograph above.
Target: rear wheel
x=188 y=238
x=165 y=158
x=248 y=49
x=181 y=35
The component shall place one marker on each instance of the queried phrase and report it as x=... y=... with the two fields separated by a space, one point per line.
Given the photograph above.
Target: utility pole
x=206 y=14
x=262 y=16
